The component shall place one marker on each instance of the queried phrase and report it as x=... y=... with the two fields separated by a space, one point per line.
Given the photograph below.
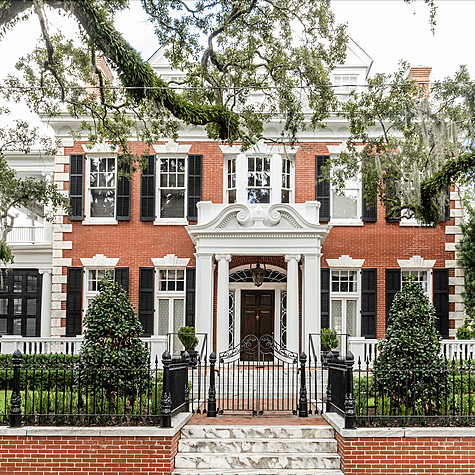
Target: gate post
x=303 y=403
x=166 y=412
x=212 y=387
x=350 y=416
x=15 y=400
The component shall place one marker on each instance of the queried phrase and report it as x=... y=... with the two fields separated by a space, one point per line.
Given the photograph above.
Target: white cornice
x=170 y=260
x=99 y=260
x=345 y=262
x=416 y=262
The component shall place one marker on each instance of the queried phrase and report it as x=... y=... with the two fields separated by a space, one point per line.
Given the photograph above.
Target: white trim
x=172 y=148
x=170 y=260
x=416 y=263
x=345 y=262
x=99 y=149
x=99 y=261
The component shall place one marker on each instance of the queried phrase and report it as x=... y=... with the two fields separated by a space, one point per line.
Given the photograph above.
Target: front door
x=257 y=313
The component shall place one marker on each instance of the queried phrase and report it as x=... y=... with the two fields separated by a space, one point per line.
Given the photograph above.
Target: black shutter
x=76 y=186
x=370 y=209
x=195 y=183
x=393 y=285
x=322 y=188
x=445 y=214
x=190 y=296
x=325 y=298
x=147 y=190
x=74 y=301
x=121 y=276
x=440 y=298
x=368 y=303
x=124 y=188
x=146 y=284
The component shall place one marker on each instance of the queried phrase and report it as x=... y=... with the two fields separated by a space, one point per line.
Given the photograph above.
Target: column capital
x=289 y=257
x=226 y=257
x=45 y=270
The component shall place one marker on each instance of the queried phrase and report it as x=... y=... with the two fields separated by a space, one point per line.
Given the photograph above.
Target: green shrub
x=113 y=358
x=187 y=337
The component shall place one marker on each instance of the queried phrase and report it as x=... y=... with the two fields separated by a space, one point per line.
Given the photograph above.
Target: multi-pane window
x=258 y=180
x=172 y=188
x=344 y=281
x=231 y=181
x=346 y=205
x=93 y=280
x=286 y=183
x=345 y=84
x=102 y=187
x=172 y=280
x=20 y=303
x=420 y=276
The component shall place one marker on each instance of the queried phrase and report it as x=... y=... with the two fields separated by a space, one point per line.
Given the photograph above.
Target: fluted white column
x=292 y=301
x=46 y=302
x=223 y=301
x=310 y=298
x=204 y=297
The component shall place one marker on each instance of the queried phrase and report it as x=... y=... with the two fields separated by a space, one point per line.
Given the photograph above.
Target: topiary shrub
x=113 y=359
x=406 y=368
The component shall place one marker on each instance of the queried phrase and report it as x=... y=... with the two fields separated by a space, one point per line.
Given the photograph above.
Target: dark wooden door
x=257 y=313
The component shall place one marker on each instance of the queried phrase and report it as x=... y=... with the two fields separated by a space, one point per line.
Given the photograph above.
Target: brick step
x=258 y=445
x=262 y=461
x=253 y=432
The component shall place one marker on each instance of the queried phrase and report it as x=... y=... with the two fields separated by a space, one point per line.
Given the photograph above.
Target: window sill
x=100 y=221
x=410 y=223
x=347 y=223
x=170 y=222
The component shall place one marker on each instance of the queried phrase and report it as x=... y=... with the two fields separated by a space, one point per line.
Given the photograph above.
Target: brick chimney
x=106 y=72
x=421 y=76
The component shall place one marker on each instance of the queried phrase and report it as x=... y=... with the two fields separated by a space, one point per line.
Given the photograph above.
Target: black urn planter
x=193 y=355
x=325 y=358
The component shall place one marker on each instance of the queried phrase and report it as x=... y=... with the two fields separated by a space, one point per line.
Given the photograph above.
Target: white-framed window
x=171 y=305
x=345 y=83
x=421 y=276
x=258 y=180
x=92 y=283
x=171 y=194
x=231 y=180
x=346 y=206
x=345 y=302
x=101 y=184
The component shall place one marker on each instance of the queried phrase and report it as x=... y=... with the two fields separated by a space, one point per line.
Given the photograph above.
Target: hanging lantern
x=258 y=273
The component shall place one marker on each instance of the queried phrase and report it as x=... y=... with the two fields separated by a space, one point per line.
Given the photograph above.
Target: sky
x=388 y=30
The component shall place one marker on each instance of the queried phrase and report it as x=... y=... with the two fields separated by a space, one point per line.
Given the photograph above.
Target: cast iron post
x=350 y=416
x=303 y=403
x=212 y=387
x=166 y=412
x=15 y=401
x=186 y=357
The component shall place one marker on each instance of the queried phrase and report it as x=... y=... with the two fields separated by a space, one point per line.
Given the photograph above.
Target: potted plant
x=329 y=342
x=189 y=340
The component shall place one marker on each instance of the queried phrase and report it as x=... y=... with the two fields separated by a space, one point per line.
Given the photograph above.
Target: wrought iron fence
x=68 y=390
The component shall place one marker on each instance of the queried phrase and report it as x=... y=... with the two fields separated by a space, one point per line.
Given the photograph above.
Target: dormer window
x=345 y=83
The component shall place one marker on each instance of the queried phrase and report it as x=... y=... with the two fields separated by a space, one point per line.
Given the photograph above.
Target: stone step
x=323 y=471
x=281 y=461
x=253 y=432
x=257 y=445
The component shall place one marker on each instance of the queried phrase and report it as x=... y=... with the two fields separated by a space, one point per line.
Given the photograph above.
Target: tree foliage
x=409 y=142
x=22 y=192
x=112 y=343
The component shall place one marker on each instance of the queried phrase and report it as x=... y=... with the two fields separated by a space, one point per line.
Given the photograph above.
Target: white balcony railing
x=26 y=235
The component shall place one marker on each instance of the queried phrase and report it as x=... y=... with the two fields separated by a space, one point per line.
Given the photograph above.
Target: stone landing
x=253 y=450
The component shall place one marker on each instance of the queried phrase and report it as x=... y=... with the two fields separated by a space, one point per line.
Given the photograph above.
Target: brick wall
x=406 y=455
x=87 y=455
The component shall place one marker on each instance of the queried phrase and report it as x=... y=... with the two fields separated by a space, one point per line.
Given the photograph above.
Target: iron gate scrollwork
x=258 y=375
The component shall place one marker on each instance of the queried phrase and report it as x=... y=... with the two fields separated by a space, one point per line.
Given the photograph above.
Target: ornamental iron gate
x=258 y=375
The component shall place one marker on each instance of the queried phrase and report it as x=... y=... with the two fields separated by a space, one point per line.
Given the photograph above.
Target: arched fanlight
x=258 y=273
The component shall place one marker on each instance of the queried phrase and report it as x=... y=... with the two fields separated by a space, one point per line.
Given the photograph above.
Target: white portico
x=291 y=231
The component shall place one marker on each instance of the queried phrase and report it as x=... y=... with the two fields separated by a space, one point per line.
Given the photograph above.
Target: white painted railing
x=364 y=349
x=25 y=235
